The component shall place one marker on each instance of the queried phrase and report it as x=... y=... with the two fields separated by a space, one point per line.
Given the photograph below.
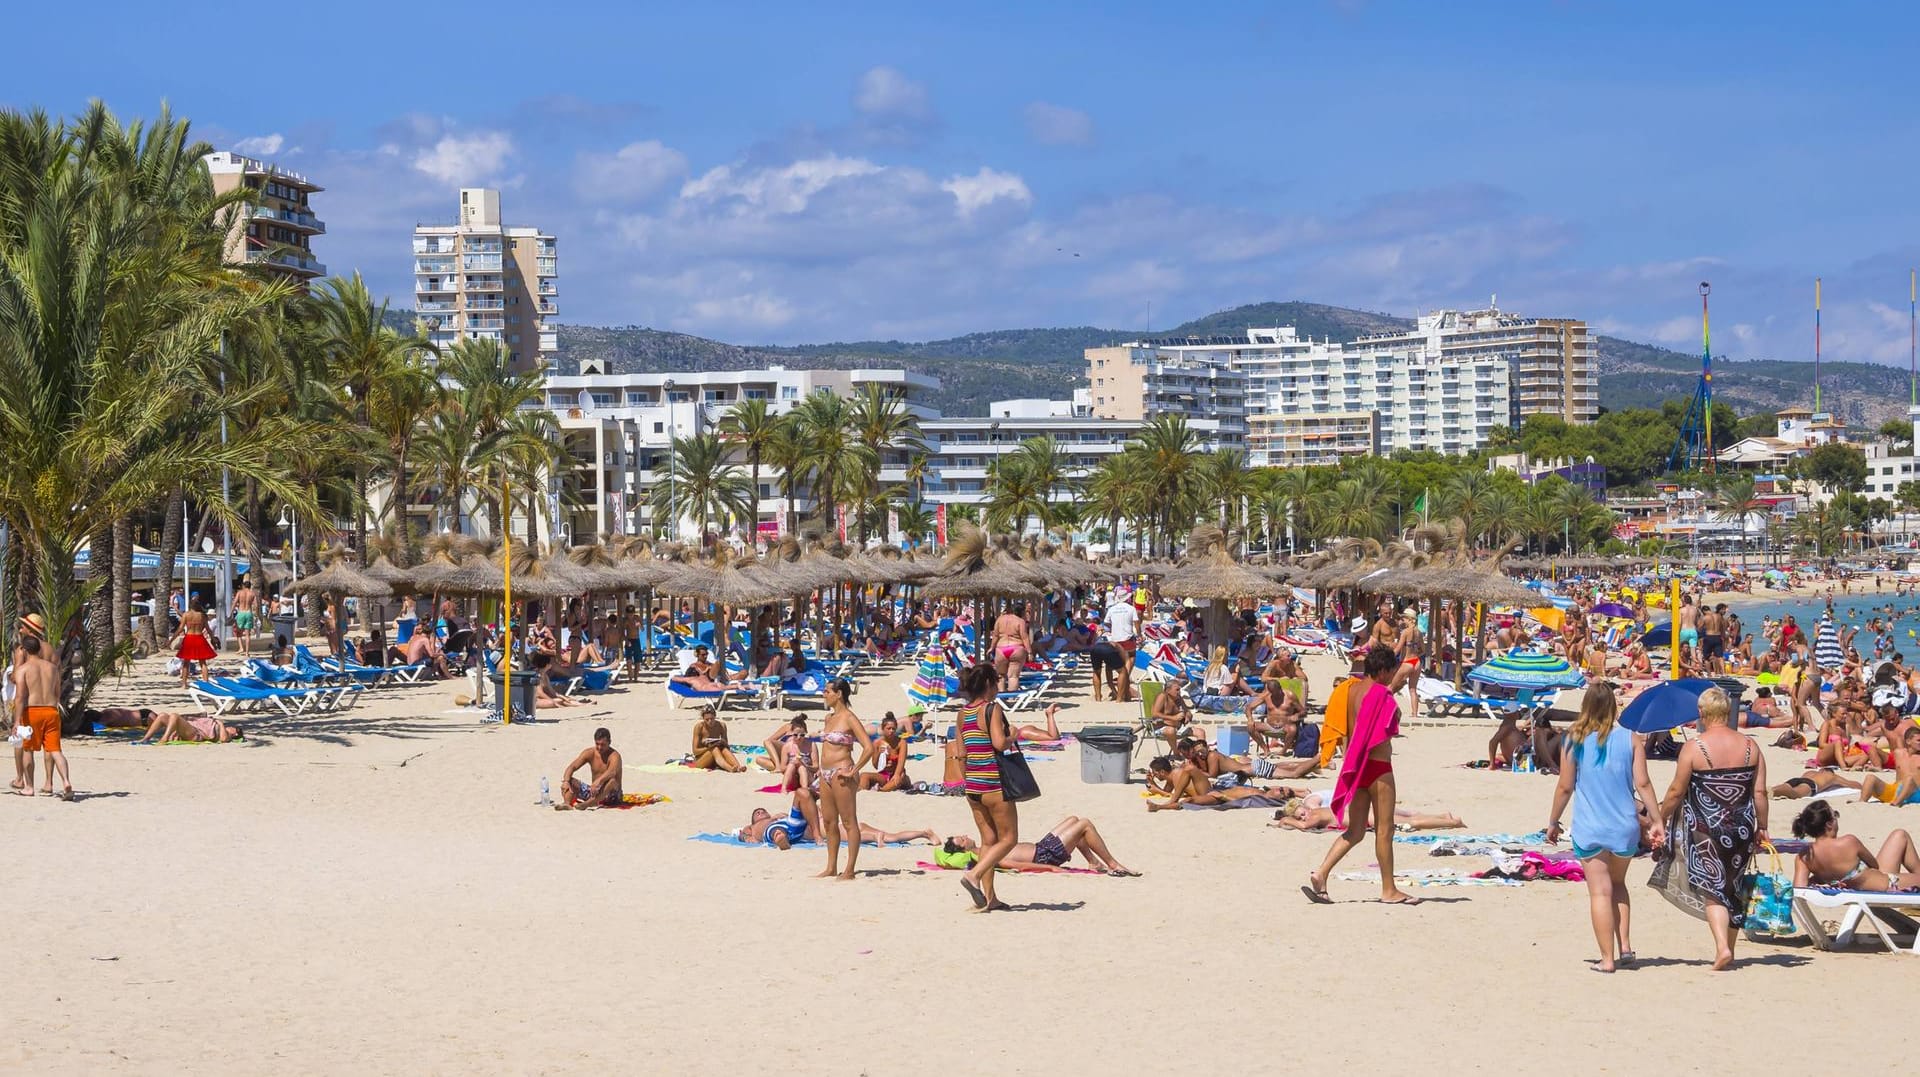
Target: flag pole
x=506 y=611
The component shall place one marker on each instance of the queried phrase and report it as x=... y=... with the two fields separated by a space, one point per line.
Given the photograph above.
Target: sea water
x=1854 y=609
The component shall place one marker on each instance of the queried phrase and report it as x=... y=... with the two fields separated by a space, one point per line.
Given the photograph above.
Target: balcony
x=431 y=306
x=547 y=288
x=483 y=284
x=482 y=303
x=433 y=245
x=548 y=308
x=291 y=218
x=434 y=285
x=480 y=263
x=432 y=267
x=291 y=261
x=485 y=323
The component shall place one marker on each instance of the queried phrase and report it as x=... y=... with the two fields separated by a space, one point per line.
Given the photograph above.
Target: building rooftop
x=227 y=161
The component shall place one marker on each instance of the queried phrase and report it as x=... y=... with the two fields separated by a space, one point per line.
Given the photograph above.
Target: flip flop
x=1625 y=960
x=1318 y=897
x=1123 y=873
x=1404 y=901
x=999 y=906
x=978 y=895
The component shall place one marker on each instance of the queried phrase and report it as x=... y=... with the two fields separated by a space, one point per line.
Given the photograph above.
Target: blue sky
x=775 y=174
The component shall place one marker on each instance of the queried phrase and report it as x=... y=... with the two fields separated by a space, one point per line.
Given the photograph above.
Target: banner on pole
x=893 y=526
x=940 y=524
x=840 y=521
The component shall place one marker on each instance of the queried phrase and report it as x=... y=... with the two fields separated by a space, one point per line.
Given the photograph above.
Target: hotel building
x=477 y=279
x=1142 y=379
x=277 y=230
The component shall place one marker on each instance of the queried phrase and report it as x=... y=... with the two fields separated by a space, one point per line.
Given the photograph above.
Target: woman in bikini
x=202 y=728
x=1366 y=787
x=193 y=645
x=890 y=759
x=710 y=750
x=1011 y=646
x=840 y=776
x=1842 y=860
x=1802 y=786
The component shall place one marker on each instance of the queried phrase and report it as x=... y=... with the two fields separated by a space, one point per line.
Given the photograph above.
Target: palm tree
x=1736 y=501
x=751 y=425
x=836 y=463
x=1114 y=491
x=1045 y=464
x=113 y=294
x=1464 y=493
x=1351 y=511
x=1223 y=481
x=916 y=520
x=362 y=352
x=1496 y=518
x=1169 y=449
x=881 y=422
x=1015 y=492
x=704 y=483
x=1297 y=488
x=787 y=451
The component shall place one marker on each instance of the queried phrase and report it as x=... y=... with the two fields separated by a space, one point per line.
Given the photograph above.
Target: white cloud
x=885 y=93
x=260 y=145
x=755 y=311
x=986 y=187
x=784 y=190
x=465 y=159
x=1058 y=125
x=633 y=173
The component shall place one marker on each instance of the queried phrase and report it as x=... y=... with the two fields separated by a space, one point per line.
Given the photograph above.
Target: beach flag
x=940 y=524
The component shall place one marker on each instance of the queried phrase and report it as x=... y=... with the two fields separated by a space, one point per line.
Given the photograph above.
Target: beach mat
x=729 y=839
x=1538 y=837
x=926 y=866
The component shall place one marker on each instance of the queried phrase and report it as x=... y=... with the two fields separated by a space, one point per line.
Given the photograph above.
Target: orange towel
x=1333 y=727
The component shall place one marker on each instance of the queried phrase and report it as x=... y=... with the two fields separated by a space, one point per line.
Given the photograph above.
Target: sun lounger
x=680 y=695
x=1878 y=909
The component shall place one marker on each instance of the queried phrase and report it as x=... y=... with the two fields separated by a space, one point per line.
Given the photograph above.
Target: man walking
x=246 y=615
x=37 y=709
x=1122 y=624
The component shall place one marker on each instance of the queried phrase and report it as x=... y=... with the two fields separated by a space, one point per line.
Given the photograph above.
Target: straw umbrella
x=337 y=580
x=1212 y=574
x=972 y=569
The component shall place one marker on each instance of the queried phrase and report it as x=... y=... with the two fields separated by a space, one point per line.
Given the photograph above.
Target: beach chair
x=1149 y=729
x=1880 y=910
x=680 y=695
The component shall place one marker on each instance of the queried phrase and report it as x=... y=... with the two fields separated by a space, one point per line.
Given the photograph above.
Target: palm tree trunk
x=122 y=579
x=360 y=514
x=170 y=527
x=309 y=565
x=753 y=525
x=100 y=605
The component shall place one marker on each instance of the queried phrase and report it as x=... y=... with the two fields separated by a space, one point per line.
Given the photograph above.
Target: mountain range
x=1013 y=363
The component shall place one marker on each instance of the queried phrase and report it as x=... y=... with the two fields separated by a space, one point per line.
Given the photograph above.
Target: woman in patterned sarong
x=1716 y=816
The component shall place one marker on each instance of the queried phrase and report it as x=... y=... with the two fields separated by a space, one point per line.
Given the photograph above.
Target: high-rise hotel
x=478 y=279
x=277 y=230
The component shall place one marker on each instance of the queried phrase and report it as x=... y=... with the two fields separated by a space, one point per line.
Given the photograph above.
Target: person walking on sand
x=37 y=707
x=983 y=736
x=840 y=776
x=1716 y=811
x=246 y=616
x=1603 y=771
x=192 y=641
x=1366 y=785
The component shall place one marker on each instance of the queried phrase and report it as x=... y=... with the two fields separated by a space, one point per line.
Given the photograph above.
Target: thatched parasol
x=972 y=569
x=340 y=577
x=597 y=567
x=1210 y=572
x=534 y=577
x=384 y=570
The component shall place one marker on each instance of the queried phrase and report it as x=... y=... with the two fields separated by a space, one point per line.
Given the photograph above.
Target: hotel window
x=789 y=392
x=638 y=398
x=602 y=400
x=716 y=396
x=677 y=397
x=755 y=394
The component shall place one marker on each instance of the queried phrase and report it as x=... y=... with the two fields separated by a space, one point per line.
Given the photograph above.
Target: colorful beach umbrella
x=1527 y=670
x=1612 y=609
x=1667 y=705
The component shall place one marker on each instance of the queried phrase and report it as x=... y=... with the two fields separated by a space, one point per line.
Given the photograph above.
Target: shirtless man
x=603 y=767
x=1314 y=812
x=1273 y=717
x=1188 y=785
x=36 y=704
x=1223 y=770
x=246 y=615
x=1171 y=712
x=1713 y=645
x=1904 y=788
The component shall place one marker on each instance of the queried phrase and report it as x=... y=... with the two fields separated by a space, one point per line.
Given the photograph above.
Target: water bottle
x=546 y=797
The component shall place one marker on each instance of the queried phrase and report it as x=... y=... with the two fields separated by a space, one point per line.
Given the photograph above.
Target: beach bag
x=1770 y=900
x=1016 y=777
x=1306 y=741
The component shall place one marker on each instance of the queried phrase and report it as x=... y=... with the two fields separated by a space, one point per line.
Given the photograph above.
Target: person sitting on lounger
x=543 y=694
x=1842 y=860
x=1172 y=714
x=710 y=750
x=166 y=728
x=602 y=789
x=1051 y=853
x=1314 y=812
x=422 y=649
x=703 y=674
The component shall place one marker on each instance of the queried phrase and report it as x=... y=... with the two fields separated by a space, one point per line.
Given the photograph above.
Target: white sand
x=377 y=893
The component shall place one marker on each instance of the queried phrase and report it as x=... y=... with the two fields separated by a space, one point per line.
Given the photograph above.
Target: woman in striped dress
x=983 y=736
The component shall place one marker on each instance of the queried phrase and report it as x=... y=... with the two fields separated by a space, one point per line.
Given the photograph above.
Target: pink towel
x=1375 y=724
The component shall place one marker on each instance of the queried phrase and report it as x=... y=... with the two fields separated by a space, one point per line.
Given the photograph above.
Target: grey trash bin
x=524 y=686
x=283 y=626
x=1106 y=754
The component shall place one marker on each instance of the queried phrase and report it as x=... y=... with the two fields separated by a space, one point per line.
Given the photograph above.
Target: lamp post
x=673 y=461
x=294 y=558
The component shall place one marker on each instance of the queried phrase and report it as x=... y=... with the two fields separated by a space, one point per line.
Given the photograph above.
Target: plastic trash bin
x=524 y=687
x=1106 y=754
x=283 y=626
x=403 y=630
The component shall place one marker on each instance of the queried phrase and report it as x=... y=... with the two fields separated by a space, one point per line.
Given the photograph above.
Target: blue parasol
x=1667 y=705
x=1639 y=581
x=1660 y=635
x=1527 y=670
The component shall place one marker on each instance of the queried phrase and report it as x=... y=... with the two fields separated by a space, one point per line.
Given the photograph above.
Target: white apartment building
x=963 y=448
x=480 y=279
x=618 y=430
x=1554 y=369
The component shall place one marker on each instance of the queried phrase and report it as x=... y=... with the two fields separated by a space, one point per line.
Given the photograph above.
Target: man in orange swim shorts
x=36 y=685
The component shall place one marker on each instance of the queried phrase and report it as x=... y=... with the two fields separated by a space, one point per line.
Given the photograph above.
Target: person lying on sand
x=166 y=728
x=1224 y=770
x=1051 y=853
x=1805 y=785
x=603 y=768
x=782 y=832
x=1314 y=812
x=1188 y=784
x=118 y=717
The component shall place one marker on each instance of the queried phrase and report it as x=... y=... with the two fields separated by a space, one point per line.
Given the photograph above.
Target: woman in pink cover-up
x=1366 y=780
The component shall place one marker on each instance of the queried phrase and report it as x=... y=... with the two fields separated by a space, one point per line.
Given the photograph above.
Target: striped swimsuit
x=982 y=768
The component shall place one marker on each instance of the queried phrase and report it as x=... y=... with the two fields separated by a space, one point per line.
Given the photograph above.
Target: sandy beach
x=377 y=892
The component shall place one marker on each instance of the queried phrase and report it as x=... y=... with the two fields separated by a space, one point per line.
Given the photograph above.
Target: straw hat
x=34 y=625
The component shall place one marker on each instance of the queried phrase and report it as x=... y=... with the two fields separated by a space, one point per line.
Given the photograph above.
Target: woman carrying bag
x=985 y=739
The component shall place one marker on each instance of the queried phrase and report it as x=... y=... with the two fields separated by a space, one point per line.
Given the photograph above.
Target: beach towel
x=729 y=839
x=1835 y=793
x=926 y=866
x=1259 y=801
x=1538 y=837
x=641 y=800
x=1427 y=878
x=1373 y=725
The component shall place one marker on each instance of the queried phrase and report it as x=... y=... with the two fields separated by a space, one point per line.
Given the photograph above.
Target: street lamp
x=294 y=557
x=673 y=461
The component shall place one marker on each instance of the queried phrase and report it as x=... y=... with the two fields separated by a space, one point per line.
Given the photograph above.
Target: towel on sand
x=925 y=866
x=729 y=839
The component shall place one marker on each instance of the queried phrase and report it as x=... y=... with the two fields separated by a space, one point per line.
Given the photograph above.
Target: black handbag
x=1016 y=777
